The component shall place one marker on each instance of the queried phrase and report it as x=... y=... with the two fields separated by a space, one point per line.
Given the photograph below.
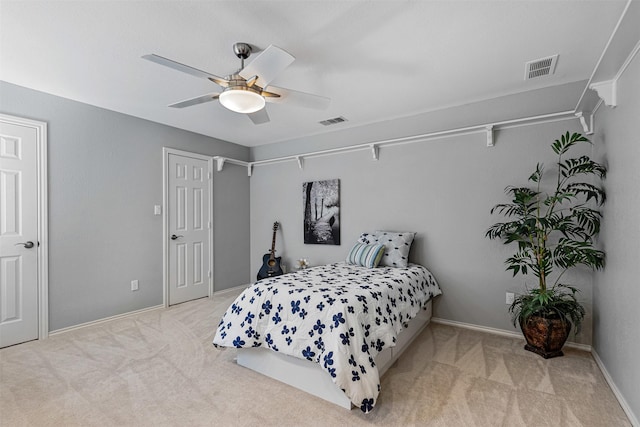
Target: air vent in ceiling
x=540 y=67
x=333 y=121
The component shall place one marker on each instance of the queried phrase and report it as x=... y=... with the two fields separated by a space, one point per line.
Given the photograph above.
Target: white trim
x=166 y=151
x=224 y=292
x=471 y=326
x=43 y=218
x=503 y=332
x=105 y=320
x=626 y=63
x=625 y=406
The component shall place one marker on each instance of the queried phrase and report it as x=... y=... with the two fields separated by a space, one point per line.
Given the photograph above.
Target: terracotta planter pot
x=545 y=336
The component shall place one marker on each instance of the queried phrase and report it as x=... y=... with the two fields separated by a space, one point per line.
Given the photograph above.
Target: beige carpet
x=160 y=369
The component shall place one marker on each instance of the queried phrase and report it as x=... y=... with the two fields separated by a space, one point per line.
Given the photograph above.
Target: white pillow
x=397 y=246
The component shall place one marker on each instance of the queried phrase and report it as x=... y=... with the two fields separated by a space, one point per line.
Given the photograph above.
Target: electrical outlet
x=134 y=285
x=510 y=297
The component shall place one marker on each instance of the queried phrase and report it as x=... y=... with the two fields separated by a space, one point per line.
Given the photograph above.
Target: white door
x=18 y=234
x=189 y=226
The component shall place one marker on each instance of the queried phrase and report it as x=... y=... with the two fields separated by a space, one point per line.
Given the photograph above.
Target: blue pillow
x=365 y=255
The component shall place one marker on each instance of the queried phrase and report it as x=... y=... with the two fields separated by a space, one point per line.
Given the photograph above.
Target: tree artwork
x=321 y=201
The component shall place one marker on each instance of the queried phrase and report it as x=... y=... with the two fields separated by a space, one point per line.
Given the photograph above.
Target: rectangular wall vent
x=540 y=67
x=333 y=121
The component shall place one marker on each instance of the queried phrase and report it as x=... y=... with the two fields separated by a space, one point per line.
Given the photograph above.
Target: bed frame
x=310 y=377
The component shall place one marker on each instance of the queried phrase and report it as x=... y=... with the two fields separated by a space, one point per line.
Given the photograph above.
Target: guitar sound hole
x=272 y=262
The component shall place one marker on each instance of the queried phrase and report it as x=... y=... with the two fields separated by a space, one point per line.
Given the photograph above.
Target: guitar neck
x=273 y=245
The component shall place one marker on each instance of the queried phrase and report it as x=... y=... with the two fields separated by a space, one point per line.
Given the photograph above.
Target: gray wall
x=443 y=189
x=105 y=176
x=616 y=289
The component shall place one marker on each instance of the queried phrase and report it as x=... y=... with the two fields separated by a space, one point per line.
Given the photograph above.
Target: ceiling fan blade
x=195 y=101
x=300 y=99
x=267 y=65
x=250 y=82
x=219 y=81
x=259 y=117
x=269 y=94
x=185 y=69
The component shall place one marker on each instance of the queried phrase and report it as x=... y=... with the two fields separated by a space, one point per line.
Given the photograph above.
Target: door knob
x=27 y=245
x=174 y=237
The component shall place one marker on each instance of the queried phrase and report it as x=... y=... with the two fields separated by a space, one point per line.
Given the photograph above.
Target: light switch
x=157 y=210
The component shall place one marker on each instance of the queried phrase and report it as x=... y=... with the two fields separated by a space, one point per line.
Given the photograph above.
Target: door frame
x=42 y=233
x=166 y=151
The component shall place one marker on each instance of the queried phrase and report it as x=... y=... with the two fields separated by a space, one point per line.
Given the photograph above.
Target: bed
x=330 y=330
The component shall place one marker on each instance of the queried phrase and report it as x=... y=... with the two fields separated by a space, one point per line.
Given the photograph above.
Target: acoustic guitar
x=270 y=262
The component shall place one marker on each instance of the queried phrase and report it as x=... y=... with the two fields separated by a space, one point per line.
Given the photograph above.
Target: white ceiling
x=376 y=60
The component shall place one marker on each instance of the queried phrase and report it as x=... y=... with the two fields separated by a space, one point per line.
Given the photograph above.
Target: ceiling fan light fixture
x=242 y=100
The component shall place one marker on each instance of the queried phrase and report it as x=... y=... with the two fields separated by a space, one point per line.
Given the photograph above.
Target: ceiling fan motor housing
x=236 y=81
x=242 y=50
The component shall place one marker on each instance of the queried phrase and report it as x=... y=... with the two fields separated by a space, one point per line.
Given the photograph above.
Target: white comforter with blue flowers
x=339 y=316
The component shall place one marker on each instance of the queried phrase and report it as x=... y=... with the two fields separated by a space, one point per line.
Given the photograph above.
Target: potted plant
x=554 y=231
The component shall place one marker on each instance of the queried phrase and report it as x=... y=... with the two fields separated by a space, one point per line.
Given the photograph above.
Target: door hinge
x=209 y=224
x=209 y=274
x=209 y=175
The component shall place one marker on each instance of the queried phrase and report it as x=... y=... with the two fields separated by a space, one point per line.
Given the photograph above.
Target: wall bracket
x=489 y=135
x=374 y=151
x=220 y=163
x=586 y=127
x=607 y=91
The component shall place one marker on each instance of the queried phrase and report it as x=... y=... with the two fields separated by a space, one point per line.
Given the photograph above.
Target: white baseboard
x=235 y=289
x=503 y=332
x=106 y=319
x=625 y=406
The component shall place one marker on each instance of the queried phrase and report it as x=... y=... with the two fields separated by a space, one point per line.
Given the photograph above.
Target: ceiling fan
x=247 y=90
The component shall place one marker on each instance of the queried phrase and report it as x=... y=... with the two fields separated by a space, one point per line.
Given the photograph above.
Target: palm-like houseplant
x=554 y=232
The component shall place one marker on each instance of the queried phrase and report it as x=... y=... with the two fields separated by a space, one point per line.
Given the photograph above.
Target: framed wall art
x=321 y=201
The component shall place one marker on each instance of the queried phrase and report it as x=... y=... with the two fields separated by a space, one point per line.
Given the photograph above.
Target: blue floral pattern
x=338 y=315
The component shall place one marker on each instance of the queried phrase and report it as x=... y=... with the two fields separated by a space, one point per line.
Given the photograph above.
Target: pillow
x=365 y=255
x=397 y=246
